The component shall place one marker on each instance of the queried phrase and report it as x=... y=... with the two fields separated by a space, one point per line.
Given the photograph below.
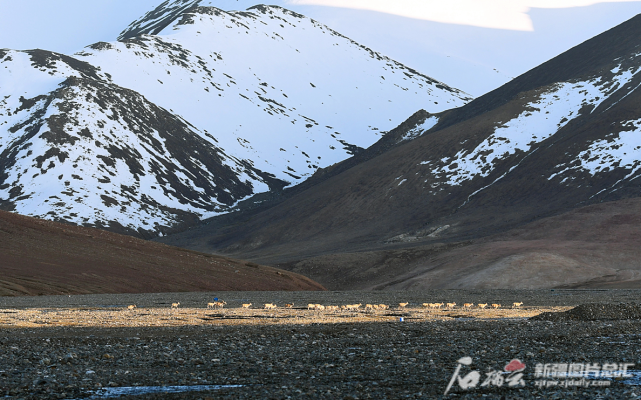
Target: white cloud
x=498 y=14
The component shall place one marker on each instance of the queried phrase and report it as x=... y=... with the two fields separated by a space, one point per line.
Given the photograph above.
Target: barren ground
x=70 y=347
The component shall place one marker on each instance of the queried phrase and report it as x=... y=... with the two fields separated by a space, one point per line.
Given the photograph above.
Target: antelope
x=175 y=305
x=383 y=307
x=131 y=307
x=247 y=305
x=289 y=305
x=496 y=305
x=353 y=306
x=482 y=305
x=468 y=305
x=451 y=305
x=331 y=308
x=270 y=306
x=517 y=305
x=402 y=305
x=369 y=307
x=438 y=305
x=427 y=305
x=216 y=304
x=311 y=306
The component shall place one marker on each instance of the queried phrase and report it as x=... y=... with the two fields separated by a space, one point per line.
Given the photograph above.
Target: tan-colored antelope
x=468 y=305
x=217 y=304
x=247 y=305
x=427 y=305
x=482 y=305
x=353 y=306
x=451 y=305
x=289 y=305
x=270 y=306
x=402 y=305
x=369 y=307
x=131 y=307
x=496 y=306
x=517 y=305
x=331 y=308
x=175 y=305
x=383 y=306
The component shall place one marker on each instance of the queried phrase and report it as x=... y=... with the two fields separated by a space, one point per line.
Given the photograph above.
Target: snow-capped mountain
x=191 y=111
x=90 y=152
x=564 y=135
x=296 y=77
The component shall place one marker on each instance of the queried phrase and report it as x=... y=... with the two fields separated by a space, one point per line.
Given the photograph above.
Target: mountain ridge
x=559 y=68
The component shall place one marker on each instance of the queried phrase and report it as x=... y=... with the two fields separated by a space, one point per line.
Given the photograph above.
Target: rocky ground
x=83 y=346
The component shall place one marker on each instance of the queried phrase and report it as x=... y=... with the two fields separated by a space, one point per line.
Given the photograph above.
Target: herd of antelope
x=467 y=306
x=353 y=307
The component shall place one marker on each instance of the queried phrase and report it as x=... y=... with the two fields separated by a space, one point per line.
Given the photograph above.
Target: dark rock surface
x=377 y=360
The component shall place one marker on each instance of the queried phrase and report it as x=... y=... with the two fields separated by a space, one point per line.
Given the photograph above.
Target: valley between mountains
x=266 y=136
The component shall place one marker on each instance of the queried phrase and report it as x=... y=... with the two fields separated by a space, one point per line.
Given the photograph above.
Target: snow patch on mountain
x=419 y=129
x=539 y=120
x=619 y=150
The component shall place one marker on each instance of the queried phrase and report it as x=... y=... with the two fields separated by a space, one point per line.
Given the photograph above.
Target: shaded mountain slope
x=574 y=141
x=40 y=257
x=595 y=246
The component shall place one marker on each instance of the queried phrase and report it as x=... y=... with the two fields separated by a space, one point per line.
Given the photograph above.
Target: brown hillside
x=590 y=247
x=40 y=257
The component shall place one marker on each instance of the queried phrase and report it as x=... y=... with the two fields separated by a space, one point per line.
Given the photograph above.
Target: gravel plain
x=64 y=347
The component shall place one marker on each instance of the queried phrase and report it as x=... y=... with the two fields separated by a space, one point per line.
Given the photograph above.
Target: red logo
x=515 y=365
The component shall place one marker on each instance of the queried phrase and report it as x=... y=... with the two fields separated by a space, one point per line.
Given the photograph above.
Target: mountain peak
x=158 y=19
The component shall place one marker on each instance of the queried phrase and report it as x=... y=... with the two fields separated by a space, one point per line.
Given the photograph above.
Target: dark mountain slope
x=591 y=247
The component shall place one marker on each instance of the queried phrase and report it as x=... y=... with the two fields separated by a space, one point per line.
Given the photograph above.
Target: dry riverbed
x=63 y=347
